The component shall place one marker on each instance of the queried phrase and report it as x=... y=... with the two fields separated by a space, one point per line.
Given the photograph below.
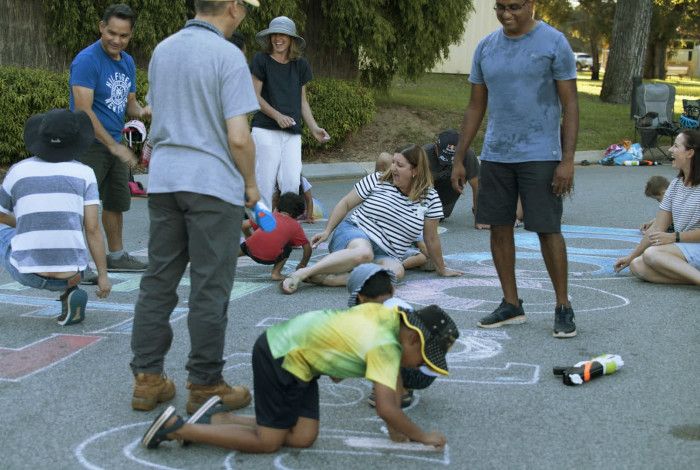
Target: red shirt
x=267 y=246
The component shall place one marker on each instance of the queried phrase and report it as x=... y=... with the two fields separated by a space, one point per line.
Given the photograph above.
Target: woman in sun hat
x=280 y=76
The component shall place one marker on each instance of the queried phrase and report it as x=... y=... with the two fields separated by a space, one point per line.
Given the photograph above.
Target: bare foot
x=290 y=285
x=277 y=276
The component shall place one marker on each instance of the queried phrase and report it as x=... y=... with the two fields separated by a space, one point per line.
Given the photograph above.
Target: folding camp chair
x=652 y=110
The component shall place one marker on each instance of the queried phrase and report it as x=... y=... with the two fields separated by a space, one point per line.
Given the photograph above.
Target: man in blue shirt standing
x=525 y=74
x=103 y=84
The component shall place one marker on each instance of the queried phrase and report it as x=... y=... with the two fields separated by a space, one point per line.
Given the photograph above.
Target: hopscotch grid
x=53 y=364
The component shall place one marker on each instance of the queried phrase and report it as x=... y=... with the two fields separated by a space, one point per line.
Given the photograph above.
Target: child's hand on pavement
x=436 y=439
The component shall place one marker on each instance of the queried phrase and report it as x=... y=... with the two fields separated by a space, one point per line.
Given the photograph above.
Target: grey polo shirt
x=197 y=80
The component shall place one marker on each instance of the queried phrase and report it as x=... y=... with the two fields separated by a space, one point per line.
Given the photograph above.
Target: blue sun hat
x=360 y=275
x=280 y=25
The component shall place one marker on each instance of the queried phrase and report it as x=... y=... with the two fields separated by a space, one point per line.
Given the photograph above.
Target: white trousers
x=277 y=161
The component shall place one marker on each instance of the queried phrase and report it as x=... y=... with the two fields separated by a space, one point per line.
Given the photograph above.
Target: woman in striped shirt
x=673 y=258
x=393 y=209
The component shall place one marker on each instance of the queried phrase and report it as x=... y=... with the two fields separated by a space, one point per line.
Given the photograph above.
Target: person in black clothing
x=280 y=76
x=440 y=156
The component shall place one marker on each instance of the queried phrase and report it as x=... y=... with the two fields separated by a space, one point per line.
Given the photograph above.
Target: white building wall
x=480 y=23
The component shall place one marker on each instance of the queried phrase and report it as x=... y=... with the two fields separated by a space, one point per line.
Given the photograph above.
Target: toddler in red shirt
x=275 y=247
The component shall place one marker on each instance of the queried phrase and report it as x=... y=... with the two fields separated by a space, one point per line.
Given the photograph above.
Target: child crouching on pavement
x=46 y=202
x=275 y=247
x=370 y=340
x=372 y=283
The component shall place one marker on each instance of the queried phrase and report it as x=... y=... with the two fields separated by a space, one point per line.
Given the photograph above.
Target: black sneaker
x=505 y=314
x=73 y=302
x=125 y=263
x=89 y=277
x=564 y=326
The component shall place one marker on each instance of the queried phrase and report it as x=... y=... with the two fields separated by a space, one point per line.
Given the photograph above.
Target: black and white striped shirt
x=683 y=203
x=389 y=217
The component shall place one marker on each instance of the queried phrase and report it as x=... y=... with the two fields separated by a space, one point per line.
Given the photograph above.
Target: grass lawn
x=601 y=124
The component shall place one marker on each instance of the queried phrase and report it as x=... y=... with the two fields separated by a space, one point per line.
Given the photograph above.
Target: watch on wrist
x=678 y=237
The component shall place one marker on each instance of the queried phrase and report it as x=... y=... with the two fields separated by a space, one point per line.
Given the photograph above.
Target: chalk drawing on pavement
x=455 y=294
x=17 y=364
x=124 y=450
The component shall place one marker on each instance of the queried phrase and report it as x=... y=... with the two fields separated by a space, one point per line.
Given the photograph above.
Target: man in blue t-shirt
x=103 y=84
x=525 y=73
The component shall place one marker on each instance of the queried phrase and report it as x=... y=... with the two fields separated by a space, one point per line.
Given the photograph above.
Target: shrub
x=24 y=92
x=340 y=107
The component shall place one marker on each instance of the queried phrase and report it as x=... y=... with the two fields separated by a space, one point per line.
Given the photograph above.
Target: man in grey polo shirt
x=202 y=173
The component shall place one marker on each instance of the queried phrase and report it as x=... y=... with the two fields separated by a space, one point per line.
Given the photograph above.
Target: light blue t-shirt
x=524 y=111
x=111 y=80
x=197 y=80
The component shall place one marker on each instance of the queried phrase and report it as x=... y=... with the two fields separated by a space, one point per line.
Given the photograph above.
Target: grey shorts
x=691 y=251
x=500 y=184
x=112 y=177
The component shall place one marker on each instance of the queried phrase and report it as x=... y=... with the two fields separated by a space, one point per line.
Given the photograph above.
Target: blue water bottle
x=263 y=217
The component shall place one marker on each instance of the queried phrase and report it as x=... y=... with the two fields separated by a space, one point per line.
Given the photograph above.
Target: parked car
x=583 y=61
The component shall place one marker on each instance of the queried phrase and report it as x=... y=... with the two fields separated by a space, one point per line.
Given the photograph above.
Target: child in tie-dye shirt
x=369 y=340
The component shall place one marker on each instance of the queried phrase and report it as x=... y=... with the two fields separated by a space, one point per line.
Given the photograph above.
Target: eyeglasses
x=239 y=2
x=511 y=7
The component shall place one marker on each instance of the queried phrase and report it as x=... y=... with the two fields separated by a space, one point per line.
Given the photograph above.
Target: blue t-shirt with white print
x=524 y=111
x=111 y=80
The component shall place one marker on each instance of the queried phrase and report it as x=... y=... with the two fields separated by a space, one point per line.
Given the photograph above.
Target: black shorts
x=280 y=397
x=112 y=177
x=442 y=182
x=285 y=254
x=500 y=184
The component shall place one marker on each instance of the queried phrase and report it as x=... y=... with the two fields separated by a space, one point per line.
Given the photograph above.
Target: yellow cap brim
x=427 y=361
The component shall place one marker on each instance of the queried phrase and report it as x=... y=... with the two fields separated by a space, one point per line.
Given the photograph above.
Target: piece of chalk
x=383 y=443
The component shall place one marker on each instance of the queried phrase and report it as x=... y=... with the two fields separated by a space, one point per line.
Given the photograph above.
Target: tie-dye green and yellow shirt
x=359 y=342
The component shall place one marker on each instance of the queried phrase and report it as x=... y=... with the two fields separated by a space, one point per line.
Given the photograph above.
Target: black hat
x=58 y=135
x=437 y=332
x=447 y=145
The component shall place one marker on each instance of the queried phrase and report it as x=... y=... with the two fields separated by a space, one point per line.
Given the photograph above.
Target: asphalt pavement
x=65 y=391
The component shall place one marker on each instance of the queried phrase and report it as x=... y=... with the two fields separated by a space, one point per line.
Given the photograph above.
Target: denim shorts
x=347 y=231
x=691 y=251
x=26 y=279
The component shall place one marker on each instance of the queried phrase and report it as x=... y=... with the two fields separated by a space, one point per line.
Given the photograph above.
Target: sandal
x=204 y=413
x=157 y=432
x=290 y=285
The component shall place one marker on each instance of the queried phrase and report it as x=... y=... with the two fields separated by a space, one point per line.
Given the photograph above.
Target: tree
x=594 y=22
x=670 y=20
x=373 y=39
x=629 y=42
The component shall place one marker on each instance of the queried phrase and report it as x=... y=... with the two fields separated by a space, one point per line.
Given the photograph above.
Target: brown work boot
x=232 y=397
x=151 y=389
